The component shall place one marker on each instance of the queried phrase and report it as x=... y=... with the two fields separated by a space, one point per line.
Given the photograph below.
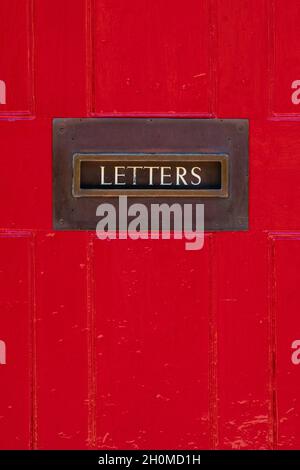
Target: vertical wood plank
x=243 y=341
x=61 y=351
x=61 y=58
x=25 y=189
x=242 y=39
x=17 y=58
x=284 y=50
x=152 y=321
x=148 y=57
x=286 y=329
x=15 y=332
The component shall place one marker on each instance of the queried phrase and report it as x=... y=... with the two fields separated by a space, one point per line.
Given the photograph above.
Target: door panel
x=285 y=323
x=16 y=58
x=153 y=338
x=284 y=58
x=17 y=307
x=241 y=45
x=244 y=374
x=25 y=188
x=60 y=58
x=158 y=55
x=62 y=342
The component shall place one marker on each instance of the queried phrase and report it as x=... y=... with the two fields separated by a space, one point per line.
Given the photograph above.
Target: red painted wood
x=16 y=331
x=284 y=57
x=126 y=344
x=17 y=57
x=151 y=347
x=244 y=378
x=25 y=189
x=62 y=341
x=241 y=58
x=61 y=69
x=285 y=257
x=158 y=55
x=274 y=148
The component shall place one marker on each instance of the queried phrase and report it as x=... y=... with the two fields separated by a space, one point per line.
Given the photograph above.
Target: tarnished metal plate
x=151 y=160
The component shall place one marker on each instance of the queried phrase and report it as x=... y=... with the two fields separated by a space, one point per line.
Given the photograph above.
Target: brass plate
x=158 y=139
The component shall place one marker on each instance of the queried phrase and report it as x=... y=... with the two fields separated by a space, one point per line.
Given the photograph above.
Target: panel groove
x=273 y=431
x=213 y=344
x=90 y=48
x=271 y=55
x=91 y=322
x=33 y=355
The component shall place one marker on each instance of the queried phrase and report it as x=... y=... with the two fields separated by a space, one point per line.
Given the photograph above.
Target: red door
x=142 y=344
